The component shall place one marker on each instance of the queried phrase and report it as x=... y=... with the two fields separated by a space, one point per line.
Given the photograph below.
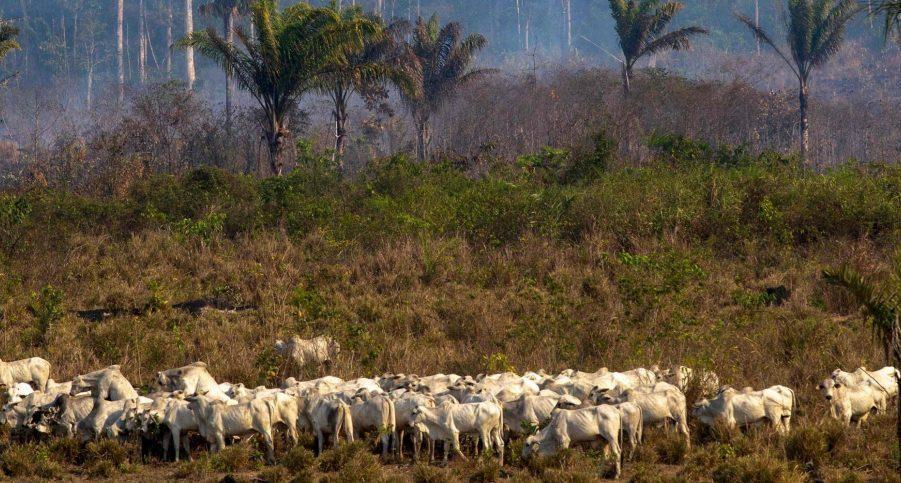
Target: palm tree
x=227 y=10
x=284 y=59
x=892 y=11
x=8 y=42
x=815 y=32
x=444 y=57
x=640 y=25
x=383 y=58
x=880 y=301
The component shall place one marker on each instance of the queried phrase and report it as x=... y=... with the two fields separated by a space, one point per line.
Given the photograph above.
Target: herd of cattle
x=551 y=411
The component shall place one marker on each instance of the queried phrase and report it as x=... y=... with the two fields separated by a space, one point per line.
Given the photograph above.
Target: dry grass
x=615 y=295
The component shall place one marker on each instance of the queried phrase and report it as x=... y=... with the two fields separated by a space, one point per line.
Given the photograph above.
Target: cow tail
x=640 y=426
x=392 y=421
x=270 y=406
x=346 y=421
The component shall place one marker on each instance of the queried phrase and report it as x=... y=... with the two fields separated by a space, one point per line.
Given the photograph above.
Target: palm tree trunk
x=568 y=24
x=423 y=137
x=229 y=26
x=803 y=93
x=120 y=52
x=189 y=51
x=169 y=37
x=274 y=133
x=627 y=79
x=340 y=113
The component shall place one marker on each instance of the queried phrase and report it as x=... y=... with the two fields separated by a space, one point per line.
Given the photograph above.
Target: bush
x=106 y=457
x=29 y=461
x=298 y=459
x=237 y=457
x=274 y=474
x=487 y=469
x=671 y=448
x=759 y=468
x=806 y=445
x=424 y=473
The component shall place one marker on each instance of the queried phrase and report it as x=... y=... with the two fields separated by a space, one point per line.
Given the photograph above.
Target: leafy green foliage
x=46 y=307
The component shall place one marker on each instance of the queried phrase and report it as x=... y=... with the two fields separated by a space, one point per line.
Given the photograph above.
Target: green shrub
x=334 y=459
x=47 y=308
x=671 y=448
x=274 y=474
x=487 y=469
x=424 y=473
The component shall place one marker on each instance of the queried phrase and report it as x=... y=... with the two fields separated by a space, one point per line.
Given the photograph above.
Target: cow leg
x=176 y=441
x=319 y=442
x=399 y=443
x=683 y=428
x=187 y=442
x=499 y=445
x=455 y=446
x=270 y=447
x=386 y=444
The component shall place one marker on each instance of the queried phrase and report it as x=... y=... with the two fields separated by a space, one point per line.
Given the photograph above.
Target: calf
x=318 y=350
x=585 y=425
x=524 y=415
x=854 y=402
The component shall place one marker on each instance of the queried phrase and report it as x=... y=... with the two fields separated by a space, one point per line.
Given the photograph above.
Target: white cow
x=585 y=425
x=107 y=383
x=216 y=421
x=63 y=414
x=853 y=403
x=372 y=411
x=179 y=419
x=191 y=380
x=684 y=377
x=327 y=416
x=318 y=350
x=32 y=370
x=774 y=404
x=657 y=407
x=404 y=414
x=447 y=422
x=105 y=420
x=17 y=392
x=885 y=378
x=524 y=415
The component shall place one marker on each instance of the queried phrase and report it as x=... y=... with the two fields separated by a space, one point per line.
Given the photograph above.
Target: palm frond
x=879 y=303
x=761 y=35
x=676 y=40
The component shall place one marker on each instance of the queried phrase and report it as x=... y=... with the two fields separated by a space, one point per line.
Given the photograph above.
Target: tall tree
x=384 y=57
x=120 y=50
x=189 y=50
x=290 y=51
x=228 y=11
x=880 y=300
x=640 y=26
x=815 y=32
x=445 y=58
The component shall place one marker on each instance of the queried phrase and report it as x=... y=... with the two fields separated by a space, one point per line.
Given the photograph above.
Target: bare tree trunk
x=120 y=52
x=627 y=79
x=229 y=80
x=169 y=37
x=25 y=28
x=757 y=22
x=90 y=95
x=568 y=25
x=189 y=51
x=142 y=43
x=379 y=5
x=528 y=25
x=339 y=96
x=518 y=22
x=803 y=93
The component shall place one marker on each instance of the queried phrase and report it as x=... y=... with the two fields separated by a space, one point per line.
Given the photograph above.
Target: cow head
x=333 y=347
x=828 y=388
x=79 y=384
x=162 y=380
x=281 y=347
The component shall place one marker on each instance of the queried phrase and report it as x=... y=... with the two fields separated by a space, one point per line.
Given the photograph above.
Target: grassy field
x=552 y=264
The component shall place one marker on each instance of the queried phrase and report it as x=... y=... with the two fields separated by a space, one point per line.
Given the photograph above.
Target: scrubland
x=707 y=257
